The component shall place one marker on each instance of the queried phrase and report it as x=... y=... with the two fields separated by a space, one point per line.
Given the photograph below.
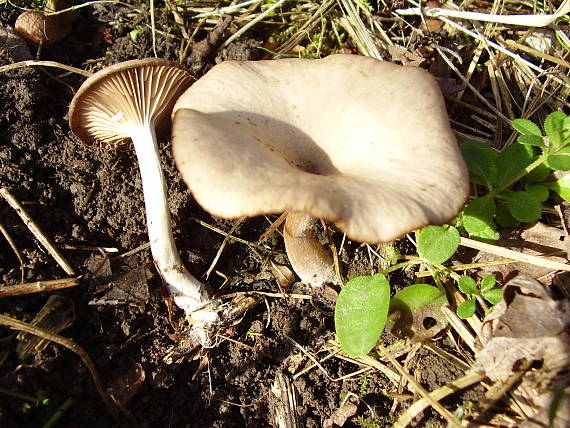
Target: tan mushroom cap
x=124 y=96
x=361 y=143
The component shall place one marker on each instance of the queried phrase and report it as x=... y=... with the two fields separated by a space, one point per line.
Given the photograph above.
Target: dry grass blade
x=303 y=32
x=69 y=344
x=257 y=19
x=514 y=255
x=419 y=406
x=460 y=328
x=523 y=20
x=12 y=244
x=53 y=64
x=353 y=24
x=35 y=229
x=37 y=287
x=420 y=389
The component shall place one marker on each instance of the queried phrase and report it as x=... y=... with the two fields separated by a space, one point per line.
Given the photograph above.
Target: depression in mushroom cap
x=362 y=143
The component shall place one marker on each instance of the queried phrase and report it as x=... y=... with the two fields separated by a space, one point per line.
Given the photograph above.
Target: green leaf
x=493 y=296
x=478 y=218
x=554 y=126
x=539 y=191
x=360 y=313
x=538 y=174
x=512 y=160
x=488 y=282
x=466 y=309
x=559 y=161
x=481 y=160
x=561 y=186
x=531 y=140
x=467 y=285
x=504 y=218
x=526 y=127
x=524 y=206
x=416 y=297
x=437 y=244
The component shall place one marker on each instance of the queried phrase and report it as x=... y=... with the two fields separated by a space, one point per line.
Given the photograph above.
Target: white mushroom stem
x=187 y=292
x=310 y=261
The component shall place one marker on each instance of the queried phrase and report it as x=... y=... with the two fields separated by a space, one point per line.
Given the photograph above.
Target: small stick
x=54 y=64
x=34 y=228
x=463 y=382
x=273 y=227
x=37 y=287
x=224 y=243
x=69 y=344
x=437 y=406
x=515 y=255
x=522 y=20
x=250 y=24
x=14 y=249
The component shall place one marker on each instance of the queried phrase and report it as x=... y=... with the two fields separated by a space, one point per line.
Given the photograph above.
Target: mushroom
x=358 y=142
x=127 y=101
x=42 y=28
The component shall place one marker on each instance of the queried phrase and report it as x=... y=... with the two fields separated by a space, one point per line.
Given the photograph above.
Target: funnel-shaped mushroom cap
x=358 y=142
x=124 y=96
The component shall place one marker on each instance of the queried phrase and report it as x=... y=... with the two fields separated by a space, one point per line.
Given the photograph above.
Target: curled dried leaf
x=39 y=28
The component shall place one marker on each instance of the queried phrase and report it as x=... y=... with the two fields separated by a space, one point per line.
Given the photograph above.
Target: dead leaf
x=57 y=314
x=343 y=413
x=538 y=239
x=401 y=54
x=527 y=325
x=204 y=48
x=125 y=386
x=130 y=288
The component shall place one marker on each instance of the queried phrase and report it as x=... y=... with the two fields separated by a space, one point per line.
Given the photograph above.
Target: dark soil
x=89 y=197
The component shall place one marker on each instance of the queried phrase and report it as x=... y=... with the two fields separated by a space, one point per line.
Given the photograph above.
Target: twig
x=35 y=229
x=448 y=416
x=53 y=64
x=514 y=255
x=463 y=382
x=14 y=249
x=253 y=22
x=460 y=328
x=37 y=287
x=227 y=9
x=223 y=245
x=69 y=344
x=523 y=20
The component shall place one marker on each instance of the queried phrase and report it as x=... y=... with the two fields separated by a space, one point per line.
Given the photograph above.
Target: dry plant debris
x=528 y=326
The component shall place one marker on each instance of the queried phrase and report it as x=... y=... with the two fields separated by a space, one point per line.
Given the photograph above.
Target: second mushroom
x=358 y=142
x=128 y=101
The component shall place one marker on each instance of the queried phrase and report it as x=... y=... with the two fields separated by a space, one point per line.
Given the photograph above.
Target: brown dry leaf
x=537 y=240
x=129 y=288
x=202 y=49
x=398 y=53
x=125 y=386
x=343 y=413
x=57 y=314
x=527 y=325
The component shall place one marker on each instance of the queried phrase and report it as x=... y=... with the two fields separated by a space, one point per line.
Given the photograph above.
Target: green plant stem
x=521 y=174
x=401 y=266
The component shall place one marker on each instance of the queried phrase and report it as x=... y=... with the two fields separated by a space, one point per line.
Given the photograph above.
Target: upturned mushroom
x=127 y=101
x=361 y=143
